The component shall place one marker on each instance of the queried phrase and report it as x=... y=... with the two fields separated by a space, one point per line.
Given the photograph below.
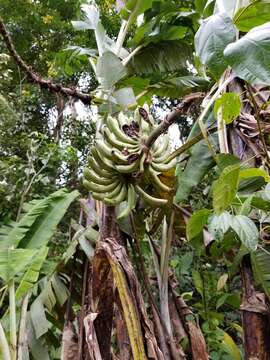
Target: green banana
x=120 y=145
x=131 y=203
x=119 y=158
x=128 y=169
x=117 y=199
x=104 y=149
x=97 y=188
x=158 y=183
x=162 y=159
x=163 y=167
x=116 y=191
x=162 y=147
x=104 y=163
x=119 y=134
x=122 y=119
x=151 y=200
x=97 y=169
x=92 y=176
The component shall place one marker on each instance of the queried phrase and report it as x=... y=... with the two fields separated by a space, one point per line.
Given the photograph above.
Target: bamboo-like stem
x=164 y=270
x=222 y=134
x=22 y=340
x=12 y=315
x=4 y=345
x=131 y=55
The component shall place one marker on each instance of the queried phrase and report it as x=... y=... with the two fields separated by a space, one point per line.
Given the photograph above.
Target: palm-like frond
x=260 y=261
x=38 y=225
x=161 y=58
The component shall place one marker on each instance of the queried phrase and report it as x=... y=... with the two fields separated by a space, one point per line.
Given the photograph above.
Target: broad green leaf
x=260 y=261
x=225 y=160
x=38 y=224
x=14 y=261
x=225 y=188
x=250 y=55
x=211 y=39
x=225 y=7
x=175 y=87
x=134 y=8
x=110 y=70
x=230 y=105
x=38 y=350
x=199 y=163
x=253 y=172
x=42 y=230
x=246 y=231
x=254 y=14
x=196 y=223
x=32 y=273
x=125 y=97
x=12 y=235
x=163 y=57
x=38 y=317
x=219 y=225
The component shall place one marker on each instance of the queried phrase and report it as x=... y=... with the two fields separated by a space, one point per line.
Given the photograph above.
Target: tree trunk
x=255 y=320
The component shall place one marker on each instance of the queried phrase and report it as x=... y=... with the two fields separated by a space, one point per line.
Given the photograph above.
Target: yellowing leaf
x=222 y=282
x=231 y=347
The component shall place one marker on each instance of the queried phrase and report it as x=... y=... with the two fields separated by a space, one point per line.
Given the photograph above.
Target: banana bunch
x=120 y=162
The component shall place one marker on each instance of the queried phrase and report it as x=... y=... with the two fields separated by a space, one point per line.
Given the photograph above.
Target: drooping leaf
x=225 y=188
x=32 y=273
x=222 y=282
x=249 y=56
x=110 y=70
x=14 y=261
x=163 y=57
x=230 y=105
x=246 y=231
x=254 y=14
x=196 y=223
x=37 y=225
x=42 y=230
x=260 y=261
x=38 y=317
x=224 y=160
x=231 y=347
x=200 y=162
x=177 y=87
x=211 y=39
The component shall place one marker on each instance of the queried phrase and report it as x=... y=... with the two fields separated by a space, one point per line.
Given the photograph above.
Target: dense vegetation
x=116 y=242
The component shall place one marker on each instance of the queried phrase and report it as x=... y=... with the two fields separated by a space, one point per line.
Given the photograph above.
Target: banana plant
x=23 y=251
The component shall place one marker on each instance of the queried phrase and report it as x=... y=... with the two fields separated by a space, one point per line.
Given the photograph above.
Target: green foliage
x=253 y=68
x=254 y=14
x=211 y=39
x=230 y=105
x=225 y=188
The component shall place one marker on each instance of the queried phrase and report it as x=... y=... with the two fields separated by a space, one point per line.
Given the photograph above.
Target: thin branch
x=171 y=118
x=37 y=78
